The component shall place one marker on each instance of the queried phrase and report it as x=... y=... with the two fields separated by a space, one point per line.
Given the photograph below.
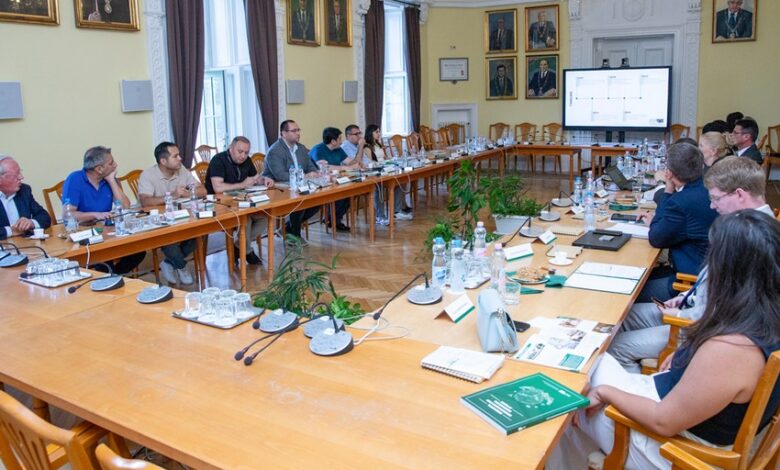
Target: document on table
x=635 y=230
x=615 y=278
x=611 y=270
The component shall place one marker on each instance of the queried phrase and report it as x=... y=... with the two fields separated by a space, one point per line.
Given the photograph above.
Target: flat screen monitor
x=631 y=99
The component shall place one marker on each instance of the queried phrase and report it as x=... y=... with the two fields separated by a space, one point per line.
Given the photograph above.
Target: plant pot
x=506 y=224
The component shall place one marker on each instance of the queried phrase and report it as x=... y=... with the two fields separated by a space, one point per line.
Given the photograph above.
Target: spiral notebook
x=464 y=364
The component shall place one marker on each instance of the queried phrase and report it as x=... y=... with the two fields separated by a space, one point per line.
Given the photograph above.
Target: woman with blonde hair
x=713 y=146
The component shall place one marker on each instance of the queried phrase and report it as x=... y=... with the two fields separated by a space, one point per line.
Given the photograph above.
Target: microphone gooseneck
x=73 y=289
x=381 y=309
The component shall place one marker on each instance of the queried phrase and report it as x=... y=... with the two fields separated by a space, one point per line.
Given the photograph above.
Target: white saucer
x=551 y=217
x=42 y=237
x=566 y=263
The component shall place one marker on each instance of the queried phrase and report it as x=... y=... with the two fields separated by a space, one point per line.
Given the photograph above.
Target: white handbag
x=495 y=327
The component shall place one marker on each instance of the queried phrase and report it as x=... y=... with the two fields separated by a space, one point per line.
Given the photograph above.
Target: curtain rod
x=404 y=3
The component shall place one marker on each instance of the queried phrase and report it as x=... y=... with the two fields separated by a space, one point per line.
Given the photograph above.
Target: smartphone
x=658 y=302
x=624 y=217
x=521 y=326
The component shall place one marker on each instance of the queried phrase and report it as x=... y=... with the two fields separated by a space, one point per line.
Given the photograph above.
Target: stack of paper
x=635 y=230
x=463 y=363
x=615 y=278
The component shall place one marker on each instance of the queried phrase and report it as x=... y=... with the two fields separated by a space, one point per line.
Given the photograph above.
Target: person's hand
x=268 y=182
x=181 y=191
x=667 y=364
x=101 y=215
x=22 y=225
x=672 y=312
x=597 y=402
x=645 y=218
x=675 y=301
x=112 y=176
x=361 y=142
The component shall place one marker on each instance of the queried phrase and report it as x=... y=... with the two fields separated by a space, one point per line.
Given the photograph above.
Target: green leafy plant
x=465 y=199
x=343 y=309
x=446 y=228
x=505 y=196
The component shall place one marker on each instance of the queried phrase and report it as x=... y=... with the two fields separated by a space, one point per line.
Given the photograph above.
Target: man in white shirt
x=170 y=176
x=353 y=142
x=19 y=212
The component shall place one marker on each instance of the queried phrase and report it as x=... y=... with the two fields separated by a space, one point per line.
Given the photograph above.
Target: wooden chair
x=457 y=133
x=413 y=141
x=396 y=145
x=525 y=132
x=676 y=132
x=682 y=460
x=772 y=148
x=497 y=130
x=258 y=160
x=203 y=153
x=442 y=137
x=426 y=138
x=109 y=460
x=698 y=132
x=47 y=192
x=27 y=441
x=200 y=170
x=552 y=132
x=739 y=457
x=131 y=178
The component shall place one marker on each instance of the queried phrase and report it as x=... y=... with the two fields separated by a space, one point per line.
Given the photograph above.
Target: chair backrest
x=773 y=139
x=676 y=132
x=426 y=137
x=24 y=438
x=457 y=133
x=56 y=189
x=109 y=460
x=131 y=179
x=682 y=460
x=552 y=132
x=200 y=170
x=258 y=160
x=525 y=132
x=396 y=144
x=698 y=132
x=442 y=137
x=413 y=141
x=497 y=129
x=203 y=153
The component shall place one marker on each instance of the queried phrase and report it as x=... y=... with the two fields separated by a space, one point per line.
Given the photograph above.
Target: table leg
x=502 y=163
x=390 y=206
x=271 y=237
x=242 y=249
x=571 y=172
x=200 y=265
x=371 y=218
x=333 y=221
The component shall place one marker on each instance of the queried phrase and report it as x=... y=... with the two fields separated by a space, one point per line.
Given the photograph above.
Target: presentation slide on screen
x=617 y=98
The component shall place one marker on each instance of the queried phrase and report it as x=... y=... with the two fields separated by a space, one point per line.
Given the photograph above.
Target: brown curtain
x=261 y=34
x=413 y=67
x=186 y=53
x=374 y=66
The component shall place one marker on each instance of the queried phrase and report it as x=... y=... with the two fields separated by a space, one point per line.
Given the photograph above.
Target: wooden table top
x=173 y=386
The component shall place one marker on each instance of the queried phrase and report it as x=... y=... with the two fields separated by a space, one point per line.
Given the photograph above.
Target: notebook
x=464 y=364
x=572 y=230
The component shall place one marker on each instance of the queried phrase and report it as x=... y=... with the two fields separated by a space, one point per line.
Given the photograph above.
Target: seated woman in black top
x=710 y=380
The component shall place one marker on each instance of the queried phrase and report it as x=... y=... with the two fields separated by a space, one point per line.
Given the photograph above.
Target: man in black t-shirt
x=231 y=170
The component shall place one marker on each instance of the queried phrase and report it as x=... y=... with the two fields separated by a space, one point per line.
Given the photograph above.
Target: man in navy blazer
x=19 y=212
x=681 y=222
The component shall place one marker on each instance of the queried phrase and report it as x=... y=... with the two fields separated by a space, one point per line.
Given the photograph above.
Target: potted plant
x=508 y=202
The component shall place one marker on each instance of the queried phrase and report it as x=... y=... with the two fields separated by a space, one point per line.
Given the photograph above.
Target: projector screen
x=617 y=99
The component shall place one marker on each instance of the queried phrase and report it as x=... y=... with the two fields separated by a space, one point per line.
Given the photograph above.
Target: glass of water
x=636 y=188
x=511 y=292
x=191 y=305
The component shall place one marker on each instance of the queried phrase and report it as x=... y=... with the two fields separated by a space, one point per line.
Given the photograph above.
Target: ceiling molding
x=476 y=4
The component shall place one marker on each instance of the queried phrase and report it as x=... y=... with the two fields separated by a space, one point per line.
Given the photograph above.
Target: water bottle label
x=439 y=276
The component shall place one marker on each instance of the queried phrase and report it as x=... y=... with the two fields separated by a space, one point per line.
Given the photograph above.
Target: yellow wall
x=323 y=70
x=741 y=76
x=459 y=32
x=70 y=90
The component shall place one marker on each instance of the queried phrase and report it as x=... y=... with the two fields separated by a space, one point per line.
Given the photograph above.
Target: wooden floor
x=371 y=273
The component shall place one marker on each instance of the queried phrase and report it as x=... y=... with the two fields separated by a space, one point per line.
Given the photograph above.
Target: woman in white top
x=373 y=154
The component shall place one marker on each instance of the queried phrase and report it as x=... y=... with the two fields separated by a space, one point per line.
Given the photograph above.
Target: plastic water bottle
x=170 y=215
x=293 y=179
x=589 y=189
x=577 y=195
x=620 y=161
x=439 y=263
x=458 y=274
x=590 y=217
x=193 y=200
x=498 y=268
x=119 y=218
x=71 y=225
x=480 y=248
x=300 y=178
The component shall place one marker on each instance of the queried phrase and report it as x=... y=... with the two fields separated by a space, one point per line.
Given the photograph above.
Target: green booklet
x=516 y=405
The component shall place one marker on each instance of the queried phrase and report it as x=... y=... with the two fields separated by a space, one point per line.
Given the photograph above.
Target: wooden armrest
x=682 y=459
x=685 y=277
x=720 y=458
x=677 y=321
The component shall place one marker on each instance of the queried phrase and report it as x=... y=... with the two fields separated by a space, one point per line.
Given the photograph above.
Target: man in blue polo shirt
x=330 y=152
x=90 y=193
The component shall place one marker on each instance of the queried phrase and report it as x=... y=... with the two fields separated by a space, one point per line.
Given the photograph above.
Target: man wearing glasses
x=287 y=153
x=744 y=137
x=354 y=143
x=19 y=212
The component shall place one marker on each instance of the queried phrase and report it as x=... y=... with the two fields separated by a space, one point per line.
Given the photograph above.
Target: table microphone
x=155 y=294
x=332 y=339
x=19 y=258
x=101 y=284
x=428 y=295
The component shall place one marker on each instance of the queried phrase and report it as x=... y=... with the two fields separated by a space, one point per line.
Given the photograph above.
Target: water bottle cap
x=480 y=224
x=457 y=243
x=438 y=241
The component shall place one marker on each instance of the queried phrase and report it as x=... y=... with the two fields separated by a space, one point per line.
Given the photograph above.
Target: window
x=396 y=113
x=229 y=105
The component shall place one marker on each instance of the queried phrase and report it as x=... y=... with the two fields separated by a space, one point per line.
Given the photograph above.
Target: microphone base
x=105 y=284
x=275 y=322
x=11 y=261
x=154 y=295
x=319 y=325
x=422 y=295
x=331 y=344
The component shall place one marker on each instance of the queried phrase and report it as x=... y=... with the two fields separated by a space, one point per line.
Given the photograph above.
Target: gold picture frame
x=541 y=74
x=30 y=11
x=117 y=15
x=501 y=31
x=541 y=28
x=338 y=22
x=303 y=27
x=501 y=86
x=739 y=29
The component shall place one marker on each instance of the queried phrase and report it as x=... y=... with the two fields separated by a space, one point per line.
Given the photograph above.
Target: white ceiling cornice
x=477 y=4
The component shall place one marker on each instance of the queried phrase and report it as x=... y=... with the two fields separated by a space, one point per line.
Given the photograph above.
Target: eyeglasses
x=17 y=176
x=718 y=198
x=356 y=133
x=293 y=130
x=738 y=133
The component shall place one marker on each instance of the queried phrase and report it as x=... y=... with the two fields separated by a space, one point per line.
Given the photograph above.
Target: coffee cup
x=560 y=257
x=210 y=197
x=38 y=233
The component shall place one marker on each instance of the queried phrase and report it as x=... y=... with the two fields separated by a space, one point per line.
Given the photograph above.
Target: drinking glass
x=227 y=294
x=225 y=311
x=636 y=188
x=192 y=303
x=243 y=306
x=511 y=292
x=214 y=291
x=207 y=307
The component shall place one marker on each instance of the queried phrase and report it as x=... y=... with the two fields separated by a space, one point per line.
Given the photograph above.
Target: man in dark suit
x=543 y=81
x=337 y=24
x=303 y=21
x=501 y=85
x=744 y=137
x=501 y=38
x=733 y=22
x=681 y=222
x=19 y=212
x=541 y=34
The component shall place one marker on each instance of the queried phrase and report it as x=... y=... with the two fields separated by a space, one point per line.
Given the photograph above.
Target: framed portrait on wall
x=542 y=76
x=120 y=15
x=338 y=23
x=302 y=22
x=501 y=78
x=30 y=11
x=541 y=26
x=500 y=28
x=734 y=20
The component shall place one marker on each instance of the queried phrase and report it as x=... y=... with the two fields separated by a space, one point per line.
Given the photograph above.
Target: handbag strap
x=502 y=329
